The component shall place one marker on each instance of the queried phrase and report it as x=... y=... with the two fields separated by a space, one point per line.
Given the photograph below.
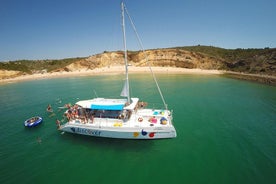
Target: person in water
x=58 y=123
x=49 y=108
x=38 y=139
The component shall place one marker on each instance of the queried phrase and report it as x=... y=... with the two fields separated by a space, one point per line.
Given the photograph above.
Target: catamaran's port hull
x=122 y=132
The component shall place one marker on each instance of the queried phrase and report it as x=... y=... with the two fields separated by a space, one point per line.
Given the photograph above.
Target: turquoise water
x=226 y=133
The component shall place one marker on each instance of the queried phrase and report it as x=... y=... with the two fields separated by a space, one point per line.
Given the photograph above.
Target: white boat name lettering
x=88 y=132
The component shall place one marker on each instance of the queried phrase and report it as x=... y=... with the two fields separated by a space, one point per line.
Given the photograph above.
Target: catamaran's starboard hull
x=122 y=133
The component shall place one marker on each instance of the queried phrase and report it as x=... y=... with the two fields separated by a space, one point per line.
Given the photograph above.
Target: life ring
x=140 y=119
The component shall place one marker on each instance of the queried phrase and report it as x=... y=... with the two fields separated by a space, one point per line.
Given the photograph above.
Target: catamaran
x=124 y=118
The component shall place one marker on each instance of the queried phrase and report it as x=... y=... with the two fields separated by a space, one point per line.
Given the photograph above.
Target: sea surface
x=226 y=133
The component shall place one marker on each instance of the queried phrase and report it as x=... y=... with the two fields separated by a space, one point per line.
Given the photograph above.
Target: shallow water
x=226 y=133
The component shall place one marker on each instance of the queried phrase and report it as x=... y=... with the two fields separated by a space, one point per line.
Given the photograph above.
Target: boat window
x=104 y=113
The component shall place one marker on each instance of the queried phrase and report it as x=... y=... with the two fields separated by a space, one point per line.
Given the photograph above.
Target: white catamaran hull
x=122 y=133
x=110 y=118
x=141 y=124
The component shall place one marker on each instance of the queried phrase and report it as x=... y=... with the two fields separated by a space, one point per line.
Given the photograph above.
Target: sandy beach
x=112 y=70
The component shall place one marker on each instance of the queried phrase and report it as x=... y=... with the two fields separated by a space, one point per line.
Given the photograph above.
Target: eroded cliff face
x=160 y=57
x=176 y=58
x=252 y=61
x=97 y=61
x=4 y=74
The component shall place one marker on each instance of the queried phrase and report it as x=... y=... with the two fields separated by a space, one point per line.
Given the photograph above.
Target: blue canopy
x=107 y=107
x=103 y=104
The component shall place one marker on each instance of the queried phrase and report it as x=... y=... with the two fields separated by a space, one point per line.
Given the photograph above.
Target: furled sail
x=125 y=91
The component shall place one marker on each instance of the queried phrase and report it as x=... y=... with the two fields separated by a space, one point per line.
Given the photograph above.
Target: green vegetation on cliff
x=31 y=66
x=258 y=61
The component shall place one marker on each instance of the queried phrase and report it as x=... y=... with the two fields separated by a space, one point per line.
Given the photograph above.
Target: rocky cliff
x=257 y=61
x=158 y=57
x=253 y=61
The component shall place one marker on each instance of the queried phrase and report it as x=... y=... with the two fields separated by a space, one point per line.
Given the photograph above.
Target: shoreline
x=120 y=70
x=112 y=70
x=263 y=79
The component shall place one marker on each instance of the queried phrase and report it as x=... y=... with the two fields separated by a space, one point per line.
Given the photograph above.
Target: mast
x=126 y=87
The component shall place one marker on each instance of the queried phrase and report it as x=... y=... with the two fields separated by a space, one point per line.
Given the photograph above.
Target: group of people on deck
x=76 y=112
x=86 y=115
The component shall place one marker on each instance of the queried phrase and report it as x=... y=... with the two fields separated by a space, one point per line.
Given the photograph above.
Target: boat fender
x=140 y=119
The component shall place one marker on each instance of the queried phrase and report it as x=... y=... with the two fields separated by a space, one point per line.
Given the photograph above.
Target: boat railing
x=155 y=106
